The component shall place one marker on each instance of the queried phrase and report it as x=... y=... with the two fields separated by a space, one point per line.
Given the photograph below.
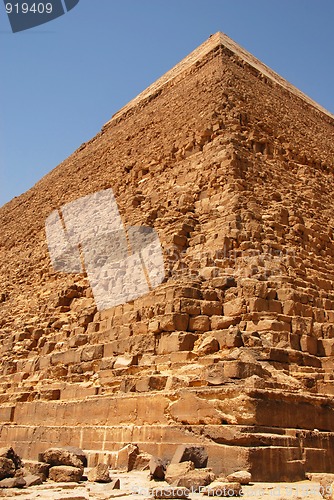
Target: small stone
x=242 y=477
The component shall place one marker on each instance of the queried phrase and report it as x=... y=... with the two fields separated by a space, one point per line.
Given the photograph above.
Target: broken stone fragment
x=194 y=453
x=7 y=468
x=175 y=471
x=13 y=482
x=126 y=457
x=157 y=468
x=99 y=474
x=11 y=455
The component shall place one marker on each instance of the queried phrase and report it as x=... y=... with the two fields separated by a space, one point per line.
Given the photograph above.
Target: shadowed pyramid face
x=26 y=14
x=88 y=235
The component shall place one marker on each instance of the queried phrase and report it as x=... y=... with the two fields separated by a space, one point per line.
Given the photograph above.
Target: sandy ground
x=137 y=486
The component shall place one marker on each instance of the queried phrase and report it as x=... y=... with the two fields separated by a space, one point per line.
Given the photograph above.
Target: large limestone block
x=65 y=474
x=61 y=456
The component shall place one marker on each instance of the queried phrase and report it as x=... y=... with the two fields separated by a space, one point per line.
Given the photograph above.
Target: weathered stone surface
x=193 y=453
x=142 y=461
x=99 y=474
x=126 y=457
x=157 y=468
x=13 y=482
x=32 y=480
x=36 y=468
x=242 y=477
x=177 y=471
x=233 y=168
x=7 y=468
x=11 y=455
x=61 y=456
x=65 y=474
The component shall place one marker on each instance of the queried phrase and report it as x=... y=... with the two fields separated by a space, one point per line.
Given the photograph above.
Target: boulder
x=222 y=489
x=35 y=468
x=7 y=468
x=242 y=477
x=78 y=452
x=99 y=474
x=157 y=469
x=61 y=456
x=175 y=472
x=165 y=492
x=126 y=457
x=194 y=453
x=10 y=453
x=65 y=474
x=12 y=482
x=195 y=479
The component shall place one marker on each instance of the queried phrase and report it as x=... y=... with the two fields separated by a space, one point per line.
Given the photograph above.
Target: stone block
x=309 y=344
x=230 y=337
x=199 y=323
x=208 y=345
x=92 y=352
x=240 y=370
x=190 y=306
x=99 y=474
x=211 y=308
x=223 y=322
x=126 y=457
x=177 y=470
x=176 y=342
x=234 y=307
x=174 y=322
x=65 y=474
x=326 y=347
x=63 y=456
x=36 y=468
x=125 y=360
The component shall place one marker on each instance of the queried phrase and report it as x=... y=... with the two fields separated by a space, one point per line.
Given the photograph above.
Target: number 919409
x=24 y=8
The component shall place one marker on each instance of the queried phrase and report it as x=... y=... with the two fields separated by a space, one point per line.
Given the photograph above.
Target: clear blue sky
x=62 y=81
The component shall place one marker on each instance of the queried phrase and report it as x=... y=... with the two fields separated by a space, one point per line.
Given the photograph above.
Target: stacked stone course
x=233 y=167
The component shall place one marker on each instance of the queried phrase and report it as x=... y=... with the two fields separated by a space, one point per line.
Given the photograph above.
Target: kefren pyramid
x=232 y=167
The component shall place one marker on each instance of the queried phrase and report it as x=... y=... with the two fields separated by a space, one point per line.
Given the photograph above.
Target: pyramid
x=233 y=169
